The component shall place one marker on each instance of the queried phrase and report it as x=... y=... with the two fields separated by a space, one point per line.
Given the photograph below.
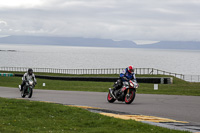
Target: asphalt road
x=182 y=108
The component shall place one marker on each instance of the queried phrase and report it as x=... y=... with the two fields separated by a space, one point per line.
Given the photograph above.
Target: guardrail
x=141 y=71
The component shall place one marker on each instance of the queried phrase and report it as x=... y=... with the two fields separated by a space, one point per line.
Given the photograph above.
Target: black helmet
x=30 y=71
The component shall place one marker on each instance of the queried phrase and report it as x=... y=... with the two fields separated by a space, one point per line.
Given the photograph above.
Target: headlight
x=30 y=82
x=131 y=84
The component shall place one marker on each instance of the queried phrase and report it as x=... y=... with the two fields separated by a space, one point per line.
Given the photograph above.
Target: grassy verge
x=179 y=87
x=73 y=75
x=59 y=84
x=29 y=116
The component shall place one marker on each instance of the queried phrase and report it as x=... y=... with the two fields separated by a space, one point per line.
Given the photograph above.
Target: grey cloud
x=113 y=19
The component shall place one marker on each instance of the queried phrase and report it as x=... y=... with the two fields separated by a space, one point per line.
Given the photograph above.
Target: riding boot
x=19 y=87
x=22 y=85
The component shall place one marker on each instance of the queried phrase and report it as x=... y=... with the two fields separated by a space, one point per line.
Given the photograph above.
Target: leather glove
x=125 y=78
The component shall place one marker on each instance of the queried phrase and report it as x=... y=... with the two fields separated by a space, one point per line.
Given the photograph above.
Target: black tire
x=30 y=93
x=22 y=93
x=129 y=99
x=110 y=98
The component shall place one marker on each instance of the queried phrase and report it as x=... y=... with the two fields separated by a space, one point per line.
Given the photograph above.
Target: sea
x=68 y=57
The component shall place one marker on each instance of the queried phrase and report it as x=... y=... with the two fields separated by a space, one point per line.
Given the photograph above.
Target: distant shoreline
x=8 y=50
x=97 y=42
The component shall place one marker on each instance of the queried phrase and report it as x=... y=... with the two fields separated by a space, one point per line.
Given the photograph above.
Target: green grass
x=59 y=84
x=192 y=89
x=23 y=116
x=179 y=87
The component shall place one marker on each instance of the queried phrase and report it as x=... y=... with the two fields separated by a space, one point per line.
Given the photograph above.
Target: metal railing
x=192 y=78
x=141 y=71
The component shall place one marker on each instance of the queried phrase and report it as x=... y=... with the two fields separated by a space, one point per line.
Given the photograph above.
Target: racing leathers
x=27 y=77
x=125 y=76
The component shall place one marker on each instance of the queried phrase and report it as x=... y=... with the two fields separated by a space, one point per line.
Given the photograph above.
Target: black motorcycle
x=27 y=89
x=125 y=93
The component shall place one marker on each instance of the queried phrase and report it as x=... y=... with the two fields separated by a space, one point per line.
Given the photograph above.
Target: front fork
x=27 y=89
x=127 y=92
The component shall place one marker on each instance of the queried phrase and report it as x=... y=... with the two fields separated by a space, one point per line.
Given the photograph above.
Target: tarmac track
x=181 y=108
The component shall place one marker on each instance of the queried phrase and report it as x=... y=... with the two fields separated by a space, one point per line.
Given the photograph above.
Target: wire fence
x=140 y=71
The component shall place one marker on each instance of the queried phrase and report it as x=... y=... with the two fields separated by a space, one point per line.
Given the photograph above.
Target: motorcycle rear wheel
x=110 y=98
x=130 y=97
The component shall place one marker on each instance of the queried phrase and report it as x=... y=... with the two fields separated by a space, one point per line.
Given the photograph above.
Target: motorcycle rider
x=126 y=75
x=27 y=76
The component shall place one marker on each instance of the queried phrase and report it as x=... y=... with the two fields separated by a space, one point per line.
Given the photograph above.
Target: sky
x=136 y=20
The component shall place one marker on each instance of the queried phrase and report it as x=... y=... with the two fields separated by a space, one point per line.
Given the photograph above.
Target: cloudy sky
x=148 y=20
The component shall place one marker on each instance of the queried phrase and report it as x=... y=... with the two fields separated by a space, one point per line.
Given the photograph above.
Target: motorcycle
x=27 y=89
x=126 y=93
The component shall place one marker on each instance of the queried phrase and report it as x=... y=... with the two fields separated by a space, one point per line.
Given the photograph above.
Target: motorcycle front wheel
x=30 y=93
x=130 y=97
x=110 y=98
x=22 y=93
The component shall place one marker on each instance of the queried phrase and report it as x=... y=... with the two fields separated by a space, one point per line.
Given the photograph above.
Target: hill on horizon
x=66 y=41
x=96 y=42
x=189 y=45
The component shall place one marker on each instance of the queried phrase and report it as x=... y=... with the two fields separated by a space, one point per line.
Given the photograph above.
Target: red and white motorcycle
x=125 y=94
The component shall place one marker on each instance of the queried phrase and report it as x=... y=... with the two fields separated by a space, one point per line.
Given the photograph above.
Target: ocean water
x=65 y=57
